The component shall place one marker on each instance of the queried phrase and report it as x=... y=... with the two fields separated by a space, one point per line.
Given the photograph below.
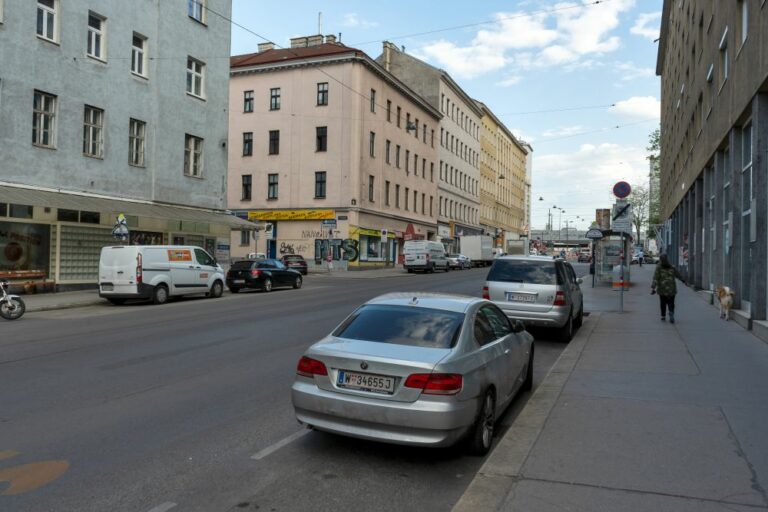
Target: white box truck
x=478 y=248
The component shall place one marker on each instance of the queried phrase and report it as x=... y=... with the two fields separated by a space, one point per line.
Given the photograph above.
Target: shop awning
x=94 y=203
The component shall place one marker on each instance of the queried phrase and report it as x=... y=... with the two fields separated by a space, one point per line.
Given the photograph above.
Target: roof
x=98 y=203
x=663 y=34
x=287 y=54
x=444 y=301
x=521 y=144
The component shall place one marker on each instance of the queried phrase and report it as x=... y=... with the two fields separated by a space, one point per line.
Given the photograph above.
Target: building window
x=44 y=120
x=193 y=156
x=386 y=192
x=373 y=100
x=63 y=215
x=322 y=93
x=247 y=143
x=196 y=10
x=274 y=142
x=195 y=77
x=415 y=201
x=431 y=202
x=424 y=133
x=21 y=211
x=245 y=237
x=247 y=187
x=743 y=20
x=139 y=55
x=272 y=186
x=397 y=156
x=723 y=72
x=423 y=201
x=95 y=47
x=424 y=168
x=407 y=161
x=389 y=111
x=370 y=188
x=136 y=137
x=399 y=110
x=247 y=102
x=432 y=172
x=407 y=193
x=90 y=217
x=274 y=98
x=416 y=131
x=47 y=19
x=320 y=181
x=397 y=196
x=93 y=132
x=321 y=138
x=372 y=144
x=746 y=173
x=432 y=140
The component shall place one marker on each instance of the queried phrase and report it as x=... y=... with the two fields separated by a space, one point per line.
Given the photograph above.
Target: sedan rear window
x=241 y=265
x=521 y=271
x=403 y=325
x=293 y=258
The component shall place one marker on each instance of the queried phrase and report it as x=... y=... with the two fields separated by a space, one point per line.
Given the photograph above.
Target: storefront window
x=21 y=211
x=24 y=246
x=67 y=215
x=90 y=217
x=145 y=238
x=371 y=249
x=3 y=209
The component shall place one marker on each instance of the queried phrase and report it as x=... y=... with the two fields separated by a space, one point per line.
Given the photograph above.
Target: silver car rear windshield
x=521 y=271
x=403 y=325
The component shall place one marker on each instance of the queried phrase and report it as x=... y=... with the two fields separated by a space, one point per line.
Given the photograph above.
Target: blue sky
x=531 y=56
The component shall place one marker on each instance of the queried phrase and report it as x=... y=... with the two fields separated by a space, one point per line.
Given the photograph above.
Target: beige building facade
x=330 y=155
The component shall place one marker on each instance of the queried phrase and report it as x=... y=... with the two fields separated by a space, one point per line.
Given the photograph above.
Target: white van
x=157 y=272
x=425 y=255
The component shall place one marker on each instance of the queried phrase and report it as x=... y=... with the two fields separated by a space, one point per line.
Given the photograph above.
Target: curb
x=502 y=470
x=55 y=307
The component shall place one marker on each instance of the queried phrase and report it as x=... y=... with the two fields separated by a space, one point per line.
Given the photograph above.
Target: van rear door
x=117 y=269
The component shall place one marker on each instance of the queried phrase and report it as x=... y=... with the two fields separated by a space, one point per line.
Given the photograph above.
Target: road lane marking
x=283 y=442
x=29 y=477
x=163 y=507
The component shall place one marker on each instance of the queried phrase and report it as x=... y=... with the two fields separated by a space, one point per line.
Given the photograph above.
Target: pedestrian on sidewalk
x=664 y=283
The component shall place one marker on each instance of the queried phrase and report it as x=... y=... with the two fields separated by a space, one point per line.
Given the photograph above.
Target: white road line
x=283 y=442
x=163 y=507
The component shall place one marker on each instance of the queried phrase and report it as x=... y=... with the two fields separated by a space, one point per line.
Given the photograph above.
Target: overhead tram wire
x=569 y=109
x=601 y=130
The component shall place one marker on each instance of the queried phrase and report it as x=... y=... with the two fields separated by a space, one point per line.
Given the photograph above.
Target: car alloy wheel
x=482 y=434
x=267 y=285
x=297 y=283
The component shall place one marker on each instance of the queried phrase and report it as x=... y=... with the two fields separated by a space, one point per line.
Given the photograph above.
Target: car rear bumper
x=420 y=423
x=140 y=291
x=555 y=317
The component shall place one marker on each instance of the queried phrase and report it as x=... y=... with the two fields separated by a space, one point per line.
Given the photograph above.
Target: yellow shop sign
x=291 y=215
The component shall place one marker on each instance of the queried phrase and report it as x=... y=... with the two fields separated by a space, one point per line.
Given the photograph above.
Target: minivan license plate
x=366 y=382
x=520 y=297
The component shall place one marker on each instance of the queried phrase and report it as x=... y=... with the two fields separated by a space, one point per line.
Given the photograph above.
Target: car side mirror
x=518 y=326
x=579 y=280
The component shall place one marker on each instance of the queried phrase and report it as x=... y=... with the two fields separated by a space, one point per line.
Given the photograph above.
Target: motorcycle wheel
x=12 y=309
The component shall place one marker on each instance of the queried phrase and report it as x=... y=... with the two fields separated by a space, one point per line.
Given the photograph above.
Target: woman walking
x=664 y=283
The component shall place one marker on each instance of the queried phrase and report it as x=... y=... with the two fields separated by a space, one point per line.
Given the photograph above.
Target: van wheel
x=267 y=285
x=217 y=290
x=410 y=271
x=160 y=295
x=117 y=302
x=447 y=267
x=431 y=269
x=481 y=436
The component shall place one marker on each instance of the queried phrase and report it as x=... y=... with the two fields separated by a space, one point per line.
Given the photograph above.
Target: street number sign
x=622 y=190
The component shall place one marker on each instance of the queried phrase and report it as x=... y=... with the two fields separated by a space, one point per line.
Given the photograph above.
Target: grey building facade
x=112 y=106
x=714 y=128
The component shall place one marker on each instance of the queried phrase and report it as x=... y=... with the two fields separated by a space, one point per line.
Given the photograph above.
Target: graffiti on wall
x=293 y=247
x=340 y=249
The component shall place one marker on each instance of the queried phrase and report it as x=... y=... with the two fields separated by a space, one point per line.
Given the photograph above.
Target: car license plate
x=366 y=382
x=521 y=297
x=107 y=287
x=239 y=281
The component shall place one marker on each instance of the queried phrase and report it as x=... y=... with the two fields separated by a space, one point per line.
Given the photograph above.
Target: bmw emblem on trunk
x=364 y=365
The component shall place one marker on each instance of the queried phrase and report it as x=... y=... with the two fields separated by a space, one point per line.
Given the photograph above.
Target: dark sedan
x=262 y=275
x=296 y=262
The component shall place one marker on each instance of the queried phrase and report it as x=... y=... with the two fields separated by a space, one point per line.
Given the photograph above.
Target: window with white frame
x=44 y=120
x=743 y=20
x=96 y=36
x=193 y=156
x=93 y=132
x=139 y=55
x=196 y=10
x=723 y=71
x=136 y=142
x=47 y=19
x=195 y=77
x=746 y=171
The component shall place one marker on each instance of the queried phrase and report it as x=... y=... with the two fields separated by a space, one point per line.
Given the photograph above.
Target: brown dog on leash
x=725 y=297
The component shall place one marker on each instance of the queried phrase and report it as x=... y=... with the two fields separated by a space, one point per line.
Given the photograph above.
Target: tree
x=640 y=199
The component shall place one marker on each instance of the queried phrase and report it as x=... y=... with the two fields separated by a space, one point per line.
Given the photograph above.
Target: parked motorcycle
x=11 y=306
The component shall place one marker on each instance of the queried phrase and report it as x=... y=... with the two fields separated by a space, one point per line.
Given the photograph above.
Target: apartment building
x=108 y=109
x=331 y=154
x=714 y=128
x=459 y=143
x=504 y=182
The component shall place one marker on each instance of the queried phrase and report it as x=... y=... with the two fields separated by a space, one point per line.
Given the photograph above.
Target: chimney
x=388 y=47
x=299 y=42
x=266 y=46
x=330 y=38
x=315 y=40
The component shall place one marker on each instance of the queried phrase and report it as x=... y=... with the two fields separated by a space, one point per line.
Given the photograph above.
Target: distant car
x=584 y=257
x=538 y=290
x=296 y=262
x=458 y=261
x=415 y=369
x=263 y=275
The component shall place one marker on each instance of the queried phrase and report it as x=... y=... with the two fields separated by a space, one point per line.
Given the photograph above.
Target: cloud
x=353 y=20
x=640 y=107
x=521 y=135
x=630 y=72
x=642 y=29
x=509 y=81
x=569 y=37
x=563 y=131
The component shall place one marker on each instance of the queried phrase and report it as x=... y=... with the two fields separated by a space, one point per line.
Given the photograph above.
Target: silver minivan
x=539 y=291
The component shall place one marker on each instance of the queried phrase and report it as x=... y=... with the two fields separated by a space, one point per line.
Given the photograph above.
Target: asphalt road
x=187 y=407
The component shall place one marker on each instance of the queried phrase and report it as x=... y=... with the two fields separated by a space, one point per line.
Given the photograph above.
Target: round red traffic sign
x=622 y=190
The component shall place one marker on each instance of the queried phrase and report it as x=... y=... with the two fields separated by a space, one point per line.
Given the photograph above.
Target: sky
x=562 y=75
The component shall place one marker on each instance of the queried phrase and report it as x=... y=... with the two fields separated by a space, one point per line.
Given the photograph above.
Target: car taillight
x=139 y=270
x=560 y=299
x=308 y=367
x=255 y=273
x=436 y=383
x=486 y=295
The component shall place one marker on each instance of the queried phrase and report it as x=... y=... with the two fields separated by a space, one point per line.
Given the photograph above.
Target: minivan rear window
x=403 y=325
x=241 y=265
x=523 y=271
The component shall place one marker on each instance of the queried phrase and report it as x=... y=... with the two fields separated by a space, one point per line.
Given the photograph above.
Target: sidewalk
x=639 y=415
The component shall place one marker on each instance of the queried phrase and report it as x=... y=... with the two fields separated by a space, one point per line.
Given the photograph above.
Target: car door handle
x=507 y=351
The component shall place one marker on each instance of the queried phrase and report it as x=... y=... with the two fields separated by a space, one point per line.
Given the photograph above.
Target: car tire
x=410 y=270
x=579 y=318
x=117 y=302
x=160 y=294
x=217 y=290
x=432 y=269
x=234 y=290
x=481 y=436
x=267 y=286
x=297 y=283
x=528 y=382
x=566 y=331
x=447 y=268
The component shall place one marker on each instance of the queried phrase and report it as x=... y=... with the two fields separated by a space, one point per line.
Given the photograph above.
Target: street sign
x=622 y=190
x=384 y=235
x=594 y=234
x=622 y=217
x=329 y=223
